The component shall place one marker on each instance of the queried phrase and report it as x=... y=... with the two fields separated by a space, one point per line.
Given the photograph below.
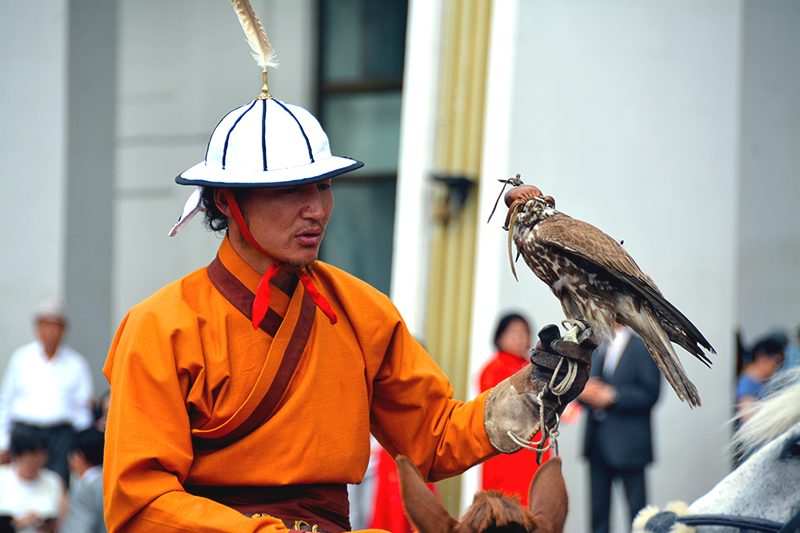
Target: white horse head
x=767 y=485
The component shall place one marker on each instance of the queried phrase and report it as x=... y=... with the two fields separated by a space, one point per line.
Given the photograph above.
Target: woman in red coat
x=510 y=473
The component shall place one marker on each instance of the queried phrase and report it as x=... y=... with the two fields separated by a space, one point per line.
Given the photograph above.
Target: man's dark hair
x=26 y=441
x=215 y=220
x=90 y=442
x=767 y=347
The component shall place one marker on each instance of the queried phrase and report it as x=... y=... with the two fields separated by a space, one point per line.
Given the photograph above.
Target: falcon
x=598 y=282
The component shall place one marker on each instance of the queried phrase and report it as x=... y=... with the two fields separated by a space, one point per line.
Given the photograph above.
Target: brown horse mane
x=492 y=509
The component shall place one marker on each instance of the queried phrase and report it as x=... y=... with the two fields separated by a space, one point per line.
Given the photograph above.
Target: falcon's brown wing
x=590 y=243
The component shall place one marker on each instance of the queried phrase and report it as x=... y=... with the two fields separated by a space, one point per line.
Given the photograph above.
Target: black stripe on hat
x=230 y=131
x=264 y=134
x=308 y=143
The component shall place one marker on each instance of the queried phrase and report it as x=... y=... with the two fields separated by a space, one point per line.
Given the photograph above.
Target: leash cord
x=549 y=435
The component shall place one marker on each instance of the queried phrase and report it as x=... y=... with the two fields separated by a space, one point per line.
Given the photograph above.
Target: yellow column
x=458 y=154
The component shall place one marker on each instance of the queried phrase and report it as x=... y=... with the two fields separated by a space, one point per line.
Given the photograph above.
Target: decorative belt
x=320 y=507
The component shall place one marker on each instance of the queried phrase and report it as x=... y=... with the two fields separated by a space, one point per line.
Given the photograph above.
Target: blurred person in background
x=30 y=494
x=511 y=474
x=753 y=382
x=101 y=412
x=47 y=390
x=623 y=387
x=85 y=500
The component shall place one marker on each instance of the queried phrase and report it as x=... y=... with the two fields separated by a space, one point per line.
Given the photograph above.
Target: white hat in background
x=50 y=310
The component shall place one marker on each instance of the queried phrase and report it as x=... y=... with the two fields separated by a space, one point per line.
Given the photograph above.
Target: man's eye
x=324 y=186
x=289 y=190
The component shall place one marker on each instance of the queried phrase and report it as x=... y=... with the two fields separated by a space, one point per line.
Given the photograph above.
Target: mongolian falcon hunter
x=599 y=283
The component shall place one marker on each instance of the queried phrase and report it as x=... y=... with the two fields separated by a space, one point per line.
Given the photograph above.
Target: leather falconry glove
x=534 y=397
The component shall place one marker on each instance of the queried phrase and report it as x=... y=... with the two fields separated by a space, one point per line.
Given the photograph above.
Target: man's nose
x=313 y=207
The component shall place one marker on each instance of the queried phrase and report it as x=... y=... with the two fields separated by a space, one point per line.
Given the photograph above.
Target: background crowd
x=51 y=435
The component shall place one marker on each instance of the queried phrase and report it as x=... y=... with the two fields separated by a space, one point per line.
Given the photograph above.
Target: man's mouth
x=311 y=237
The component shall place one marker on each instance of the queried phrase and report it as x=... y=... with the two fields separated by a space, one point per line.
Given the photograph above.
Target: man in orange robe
x=243 y=395
x=185 y=361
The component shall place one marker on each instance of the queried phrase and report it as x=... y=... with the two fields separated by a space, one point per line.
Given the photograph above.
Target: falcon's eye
x=550 y=201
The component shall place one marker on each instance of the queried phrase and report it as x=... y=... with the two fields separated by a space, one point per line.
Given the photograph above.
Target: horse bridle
x=663 y=521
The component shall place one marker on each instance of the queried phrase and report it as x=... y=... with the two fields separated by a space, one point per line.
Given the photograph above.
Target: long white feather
x=263 y=52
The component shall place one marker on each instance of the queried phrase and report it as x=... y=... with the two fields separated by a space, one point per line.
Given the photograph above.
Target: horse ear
x=547 y=497
x=425 y=511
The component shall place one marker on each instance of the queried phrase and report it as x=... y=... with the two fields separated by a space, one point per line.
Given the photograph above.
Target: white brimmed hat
x=267 y=143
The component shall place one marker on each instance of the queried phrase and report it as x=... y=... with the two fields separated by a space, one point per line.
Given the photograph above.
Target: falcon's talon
x=572 y=332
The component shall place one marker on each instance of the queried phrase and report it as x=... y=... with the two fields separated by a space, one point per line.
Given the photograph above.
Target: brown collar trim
x=242 y=298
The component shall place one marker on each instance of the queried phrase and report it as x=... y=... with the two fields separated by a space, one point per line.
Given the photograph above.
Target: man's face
x=50 y=333
x=29 y=464
x=777 y=359
x=515 y=339
x=77 y=463
x=289 y=223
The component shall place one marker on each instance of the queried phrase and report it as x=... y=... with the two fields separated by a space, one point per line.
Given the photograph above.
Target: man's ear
x=222 y=202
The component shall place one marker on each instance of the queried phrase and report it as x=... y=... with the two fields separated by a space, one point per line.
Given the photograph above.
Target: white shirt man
x=47 y=386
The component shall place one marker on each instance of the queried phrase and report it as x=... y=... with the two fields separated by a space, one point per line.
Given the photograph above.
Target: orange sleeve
x=413 y=412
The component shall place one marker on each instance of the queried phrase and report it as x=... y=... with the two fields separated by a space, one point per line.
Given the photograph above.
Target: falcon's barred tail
x=660 y=348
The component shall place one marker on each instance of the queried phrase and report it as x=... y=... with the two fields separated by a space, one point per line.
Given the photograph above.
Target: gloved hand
x=515 y=404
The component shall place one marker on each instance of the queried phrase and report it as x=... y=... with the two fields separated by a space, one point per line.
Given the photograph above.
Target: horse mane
x=492 y=510
x=771 y=416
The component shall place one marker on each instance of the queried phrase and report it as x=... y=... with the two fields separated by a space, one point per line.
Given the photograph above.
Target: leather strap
x=241 y=298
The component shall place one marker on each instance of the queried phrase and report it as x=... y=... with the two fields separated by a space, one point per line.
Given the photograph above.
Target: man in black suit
x=620 y=394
